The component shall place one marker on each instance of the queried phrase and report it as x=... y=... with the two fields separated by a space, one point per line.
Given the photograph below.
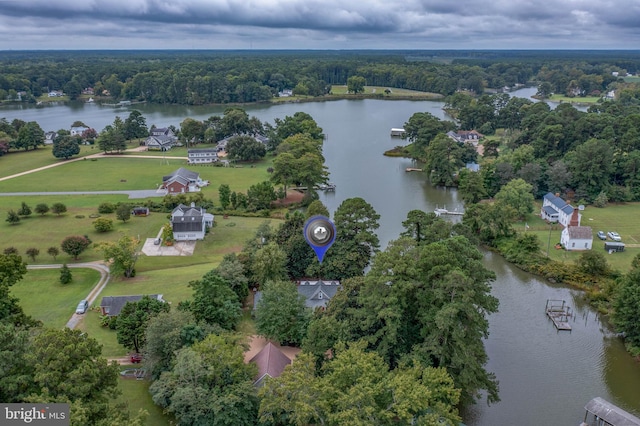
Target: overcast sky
x=319 y=24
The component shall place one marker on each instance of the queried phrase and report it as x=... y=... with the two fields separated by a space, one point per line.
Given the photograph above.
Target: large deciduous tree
x=357 y=388
x=12 y=270
x=214 y=302
x=517 y=195
x=74 y=245
x=30 y=136
x=355 y=84
x=122 y=255
x=427 y=301
x=627 y=308
x=281 y=314
x=210 y=384
x=131 y=323
x=65 y=146
x=245 y=148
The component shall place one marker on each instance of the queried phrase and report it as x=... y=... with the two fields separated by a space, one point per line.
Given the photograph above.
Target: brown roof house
x=576 y=237
x=112 y=305
x=271 y=362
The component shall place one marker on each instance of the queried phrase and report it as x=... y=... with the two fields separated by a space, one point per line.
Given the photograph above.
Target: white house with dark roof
x=466 y=136
x=576 y=237
x=202 y=156
x=190 y=223
x=555 y=209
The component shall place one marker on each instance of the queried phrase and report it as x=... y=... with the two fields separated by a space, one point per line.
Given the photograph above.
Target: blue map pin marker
x=320 y=234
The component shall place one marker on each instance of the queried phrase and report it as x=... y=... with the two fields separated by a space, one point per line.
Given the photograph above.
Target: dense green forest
x=204 y=77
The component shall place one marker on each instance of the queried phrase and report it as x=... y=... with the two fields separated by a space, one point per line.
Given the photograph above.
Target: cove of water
x=545 y=377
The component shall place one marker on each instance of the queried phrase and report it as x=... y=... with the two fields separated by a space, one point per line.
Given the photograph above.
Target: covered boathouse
x=603 y=413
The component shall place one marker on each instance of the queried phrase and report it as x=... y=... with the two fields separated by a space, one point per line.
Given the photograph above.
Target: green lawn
x=113 y=173
x=20 y=161
x=577 y=99
x=372 y=90
x=44 y=298
x=621 y=218
x=135 y=393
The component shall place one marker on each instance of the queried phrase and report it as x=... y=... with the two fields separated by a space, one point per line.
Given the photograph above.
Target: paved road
x=105 y=275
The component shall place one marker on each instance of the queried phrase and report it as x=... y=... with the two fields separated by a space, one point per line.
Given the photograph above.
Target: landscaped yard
x=44 y=298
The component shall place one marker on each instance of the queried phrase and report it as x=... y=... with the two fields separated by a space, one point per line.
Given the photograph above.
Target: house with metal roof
x=555 y=209
x=271 y=362
x=190 y=223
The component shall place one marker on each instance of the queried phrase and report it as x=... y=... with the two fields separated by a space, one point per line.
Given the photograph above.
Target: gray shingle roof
x=580 y=232
x=183 y=173
x=114 y=304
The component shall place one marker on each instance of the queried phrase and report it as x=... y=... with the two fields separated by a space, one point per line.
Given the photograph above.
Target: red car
x=135 y=358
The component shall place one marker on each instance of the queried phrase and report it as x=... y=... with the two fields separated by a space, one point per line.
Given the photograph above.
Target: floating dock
x=412 y=169
x=559 y=313
x=444 y=211
x=397 y=132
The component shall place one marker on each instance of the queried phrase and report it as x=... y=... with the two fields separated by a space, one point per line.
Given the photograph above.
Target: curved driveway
x=105 y=275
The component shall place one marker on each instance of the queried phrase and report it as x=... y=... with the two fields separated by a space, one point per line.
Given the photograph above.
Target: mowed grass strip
x=44 y=298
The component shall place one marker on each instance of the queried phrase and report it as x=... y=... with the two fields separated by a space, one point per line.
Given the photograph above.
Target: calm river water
x=545 y=377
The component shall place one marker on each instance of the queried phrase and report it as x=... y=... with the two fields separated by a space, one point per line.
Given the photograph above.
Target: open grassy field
x=575 y=100
x=621 y=218
x=20 y=161
x=393 y=92
x=44 y=298
x=115 y=173
x=632 y=79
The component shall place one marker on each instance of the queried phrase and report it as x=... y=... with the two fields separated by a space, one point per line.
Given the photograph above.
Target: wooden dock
x=412 y=169
x=559 y=313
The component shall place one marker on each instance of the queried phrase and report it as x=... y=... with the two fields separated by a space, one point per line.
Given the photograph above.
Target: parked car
x=602 y=235
x=135 y=358
x=614 y=236
x=82 y=307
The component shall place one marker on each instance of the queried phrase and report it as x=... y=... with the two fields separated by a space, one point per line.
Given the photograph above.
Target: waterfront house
x=183 y=180
x=202 y=156
x=78 y=131
x=555 y=209
x=576 y=237
x=316 y=293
